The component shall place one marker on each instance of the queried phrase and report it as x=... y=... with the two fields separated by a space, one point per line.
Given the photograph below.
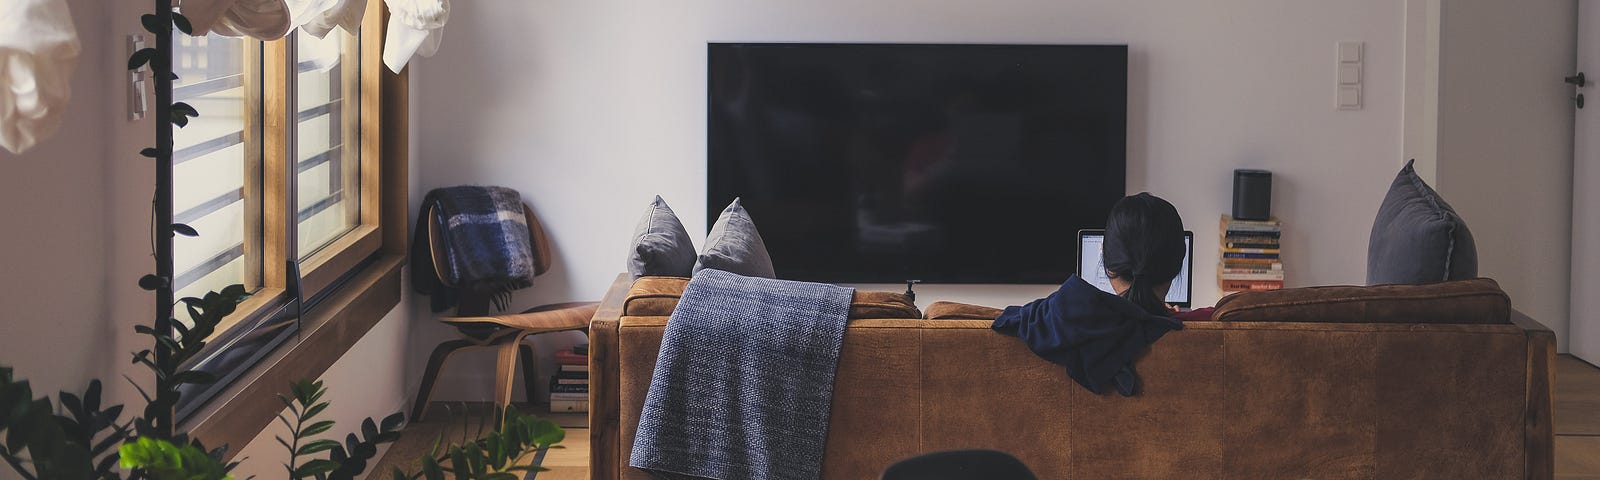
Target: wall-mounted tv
x=879 y=163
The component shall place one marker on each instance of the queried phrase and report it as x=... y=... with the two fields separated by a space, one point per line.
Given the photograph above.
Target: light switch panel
x=1349 y=98
x=1350 y=52
x=1350 y=74
x=138 y=96
x=1347 y=83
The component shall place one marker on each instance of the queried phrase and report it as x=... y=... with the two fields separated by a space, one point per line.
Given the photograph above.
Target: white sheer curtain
x=38 y=53
x=415 y=28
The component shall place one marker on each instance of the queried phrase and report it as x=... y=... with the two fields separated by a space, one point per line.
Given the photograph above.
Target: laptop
x=1091 y=266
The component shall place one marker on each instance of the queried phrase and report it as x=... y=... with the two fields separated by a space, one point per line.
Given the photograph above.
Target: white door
x=1584 y=330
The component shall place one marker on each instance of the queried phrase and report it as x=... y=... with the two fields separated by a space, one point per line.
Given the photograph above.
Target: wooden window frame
x=338 y=258
x=271 y=195
x=355 y=278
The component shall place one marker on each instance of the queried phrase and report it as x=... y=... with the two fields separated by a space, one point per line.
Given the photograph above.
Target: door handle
x=1580 y=81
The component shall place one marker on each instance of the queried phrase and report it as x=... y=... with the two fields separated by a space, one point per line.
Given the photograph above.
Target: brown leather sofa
x=1286 y=399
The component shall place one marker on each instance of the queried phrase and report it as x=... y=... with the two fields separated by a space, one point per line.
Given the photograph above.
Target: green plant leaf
x=459 y=464
x=368 y=428
x=182 y=23
x=317 y=428
x=151 y=282
x=103 y=469
x=431 y=469
x=150 y=152
x=91 y=397
x=141 y=58
x=315 y=467
x=313 y=411
x=386 y=437
x=162 y=460
x=363 y=451
x=185 y=230
x=178 y=328
x=185 y=109
x=546 y=433
x=317 y=446
x=496 y=450
x=72 y=404
x=235 y=291
x=150 y=22
x=393 y=422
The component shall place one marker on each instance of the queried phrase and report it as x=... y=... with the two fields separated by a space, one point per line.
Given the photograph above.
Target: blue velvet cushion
x=735 y=246
x=1417 y=238
x=661 y=246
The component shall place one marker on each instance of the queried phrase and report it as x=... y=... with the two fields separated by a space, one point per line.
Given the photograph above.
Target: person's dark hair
x=1144 y=246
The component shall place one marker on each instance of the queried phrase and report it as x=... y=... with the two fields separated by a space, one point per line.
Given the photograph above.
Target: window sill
x=246 y=407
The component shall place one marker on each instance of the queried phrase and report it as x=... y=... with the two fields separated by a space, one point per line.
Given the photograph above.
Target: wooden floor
x=1577 y=419
x=1576 y=416
x=453 y=423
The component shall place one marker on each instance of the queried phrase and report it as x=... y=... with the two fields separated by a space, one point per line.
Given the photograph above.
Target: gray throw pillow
x=734 y=246
x=1417 y=238
x=661 y=246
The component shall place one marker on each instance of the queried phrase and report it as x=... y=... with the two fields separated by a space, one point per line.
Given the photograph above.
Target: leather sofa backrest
x=658 y=296
x=1475 y=301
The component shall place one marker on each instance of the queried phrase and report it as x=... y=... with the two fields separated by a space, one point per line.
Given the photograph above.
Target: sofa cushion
x=1477 y=300
x=734 y=246
x=658 y=296
x=961 y=311
x=661 y=246
x=1417 y=238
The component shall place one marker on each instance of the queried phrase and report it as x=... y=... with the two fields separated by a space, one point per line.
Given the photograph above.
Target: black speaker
x=1252 y=194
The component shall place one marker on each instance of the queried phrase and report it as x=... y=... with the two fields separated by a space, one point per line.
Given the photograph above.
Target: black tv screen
x=879 y=163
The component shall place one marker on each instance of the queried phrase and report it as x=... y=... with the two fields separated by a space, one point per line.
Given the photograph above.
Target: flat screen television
x=880 y=163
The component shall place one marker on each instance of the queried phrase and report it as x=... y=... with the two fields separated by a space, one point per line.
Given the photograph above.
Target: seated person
x=1144 y=252
x=1097 y=335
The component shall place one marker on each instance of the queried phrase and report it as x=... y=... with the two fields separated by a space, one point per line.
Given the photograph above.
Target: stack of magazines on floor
x=569 y=389
x=1251 y=259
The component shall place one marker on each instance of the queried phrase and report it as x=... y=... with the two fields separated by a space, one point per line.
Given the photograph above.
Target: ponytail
x=1142 y=293
x=1144 y=245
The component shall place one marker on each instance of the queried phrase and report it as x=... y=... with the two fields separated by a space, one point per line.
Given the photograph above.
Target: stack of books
x=1251 y=258
x=569 y=389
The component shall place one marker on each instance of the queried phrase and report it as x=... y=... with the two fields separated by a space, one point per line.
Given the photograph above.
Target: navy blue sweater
x=1096 y=335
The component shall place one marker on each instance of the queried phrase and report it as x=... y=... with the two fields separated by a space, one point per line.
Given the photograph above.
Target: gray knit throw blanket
x=744 y=380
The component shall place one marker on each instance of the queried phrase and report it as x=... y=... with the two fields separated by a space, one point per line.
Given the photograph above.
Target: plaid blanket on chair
x=485 y=241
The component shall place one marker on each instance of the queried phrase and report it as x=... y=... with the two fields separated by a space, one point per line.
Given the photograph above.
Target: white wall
x=1505 y=144
x=591 y=108
x=55 y=250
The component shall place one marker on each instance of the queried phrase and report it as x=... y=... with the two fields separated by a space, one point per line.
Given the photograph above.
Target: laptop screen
x=1091 y=265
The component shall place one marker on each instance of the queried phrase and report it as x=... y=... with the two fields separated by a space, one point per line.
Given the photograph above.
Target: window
x=216 y=164
x=326 y=144
x=279 y=174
